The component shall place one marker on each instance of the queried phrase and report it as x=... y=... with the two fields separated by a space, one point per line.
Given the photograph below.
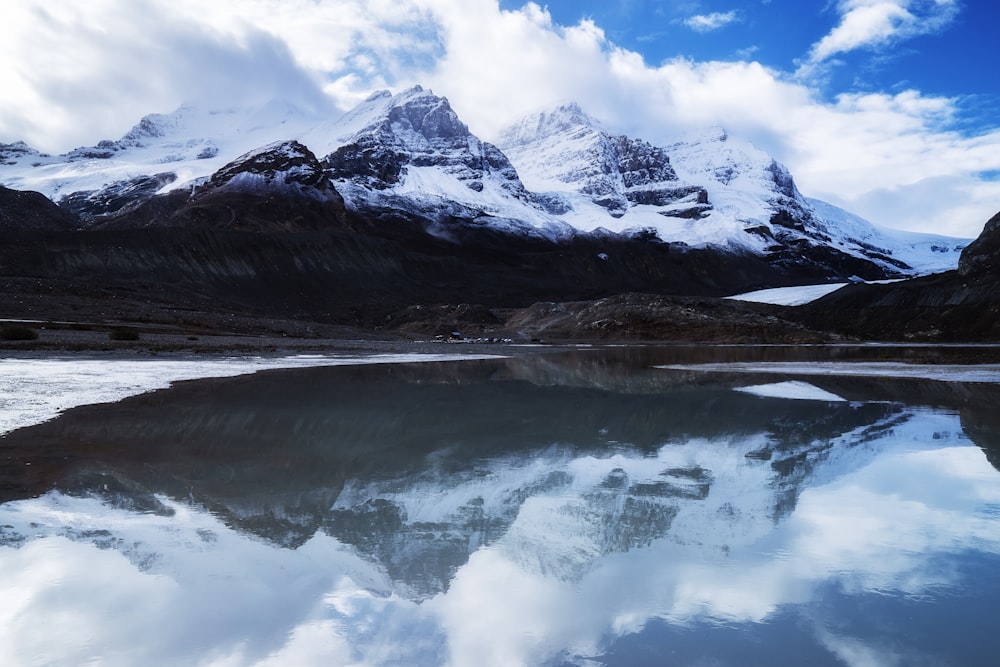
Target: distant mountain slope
x=958 y=305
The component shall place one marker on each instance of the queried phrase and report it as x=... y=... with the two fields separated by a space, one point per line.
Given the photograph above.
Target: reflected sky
x=574 y=509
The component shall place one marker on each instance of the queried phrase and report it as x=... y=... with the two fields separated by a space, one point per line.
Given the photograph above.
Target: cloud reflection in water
x=526 y=556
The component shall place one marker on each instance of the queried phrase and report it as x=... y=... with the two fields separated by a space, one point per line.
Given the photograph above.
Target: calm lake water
x=577 y=508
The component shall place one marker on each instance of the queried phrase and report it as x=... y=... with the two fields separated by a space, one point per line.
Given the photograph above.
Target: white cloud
x=710 y=22
x=82 y=72
x=875 y=23
x=79 y=73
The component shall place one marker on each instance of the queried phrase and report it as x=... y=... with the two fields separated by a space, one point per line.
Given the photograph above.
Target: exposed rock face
x=280 y=187
x=286 y=167
x=32 y=211
x=982 y=256
x=420 y=129
x=11 y=153
x=709 y=189
x=115 y=198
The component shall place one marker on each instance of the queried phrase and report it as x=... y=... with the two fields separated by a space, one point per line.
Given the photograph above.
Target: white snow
x=926 y=253
x=793 y=389
x=177 y=142
x=565 y=150
x=788 y=296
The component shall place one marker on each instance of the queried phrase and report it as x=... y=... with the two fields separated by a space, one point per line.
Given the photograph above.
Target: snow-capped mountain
x=412 y=152
x=181 y=149
x=707 y=189
x=555 y=175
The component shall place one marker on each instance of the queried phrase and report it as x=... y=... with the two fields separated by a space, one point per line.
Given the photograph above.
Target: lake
x=689 y=506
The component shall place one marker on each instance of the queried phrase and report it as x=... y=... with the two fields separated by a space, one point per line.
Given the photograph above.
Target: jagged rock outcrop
x=419 y=129
x=286 y=168
x=280 y=187
x=411 y=153
x=982 y=256
x=709 y=189
x=11 y=153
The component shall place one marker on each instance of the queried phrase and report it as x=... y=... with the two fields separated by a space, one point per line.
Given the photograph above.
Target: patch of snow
x=788 y=296
x=793 y=389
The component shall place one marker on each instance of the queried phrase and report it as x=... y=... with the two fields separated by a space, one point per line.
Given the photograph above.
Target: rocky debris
x=628 y=316
x=33 y=211
x=658 y=317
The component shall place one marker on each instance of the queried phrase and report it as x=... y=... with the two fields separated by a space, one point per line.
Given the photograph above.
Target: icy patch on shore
x=988 y=373
x=788 y=296
x=33 y=391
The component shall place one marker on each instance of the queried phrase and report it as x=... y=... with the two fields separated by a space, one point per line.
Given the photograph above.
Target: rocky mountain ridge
x=412 y=155
x=398 y=207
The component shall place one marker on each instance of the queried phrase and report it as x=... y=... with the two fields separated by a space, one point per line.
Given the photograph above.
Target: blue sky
x=889 y=108
x=944 y=56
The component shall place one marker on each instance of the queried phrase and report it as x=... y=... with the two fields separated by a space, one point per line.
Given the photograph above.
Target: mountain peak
x=284 y=166
x=566 y=151
x=567 y=118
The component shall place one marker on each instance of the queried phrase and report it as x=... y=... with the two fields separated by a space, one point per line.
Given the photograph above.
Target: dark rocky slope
x=961 y=305
x=32 y=211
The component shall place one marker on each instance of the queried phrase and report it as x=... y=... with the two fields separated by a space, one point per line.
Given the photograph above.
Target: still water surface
x=583 y=508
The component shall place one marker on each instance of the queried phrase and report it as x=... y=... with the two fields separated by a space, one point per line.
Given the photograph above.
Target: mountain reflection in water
x=544 y=509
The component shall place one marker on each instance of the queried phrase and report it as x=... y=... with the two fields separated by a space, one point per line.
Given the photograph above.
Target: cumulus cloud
x=78 y=73
x=710 y=22
x=876 y=23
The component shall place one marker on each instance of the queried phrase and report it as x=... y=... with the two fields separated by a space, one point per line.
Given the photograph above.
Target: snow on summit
x=707 y=188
